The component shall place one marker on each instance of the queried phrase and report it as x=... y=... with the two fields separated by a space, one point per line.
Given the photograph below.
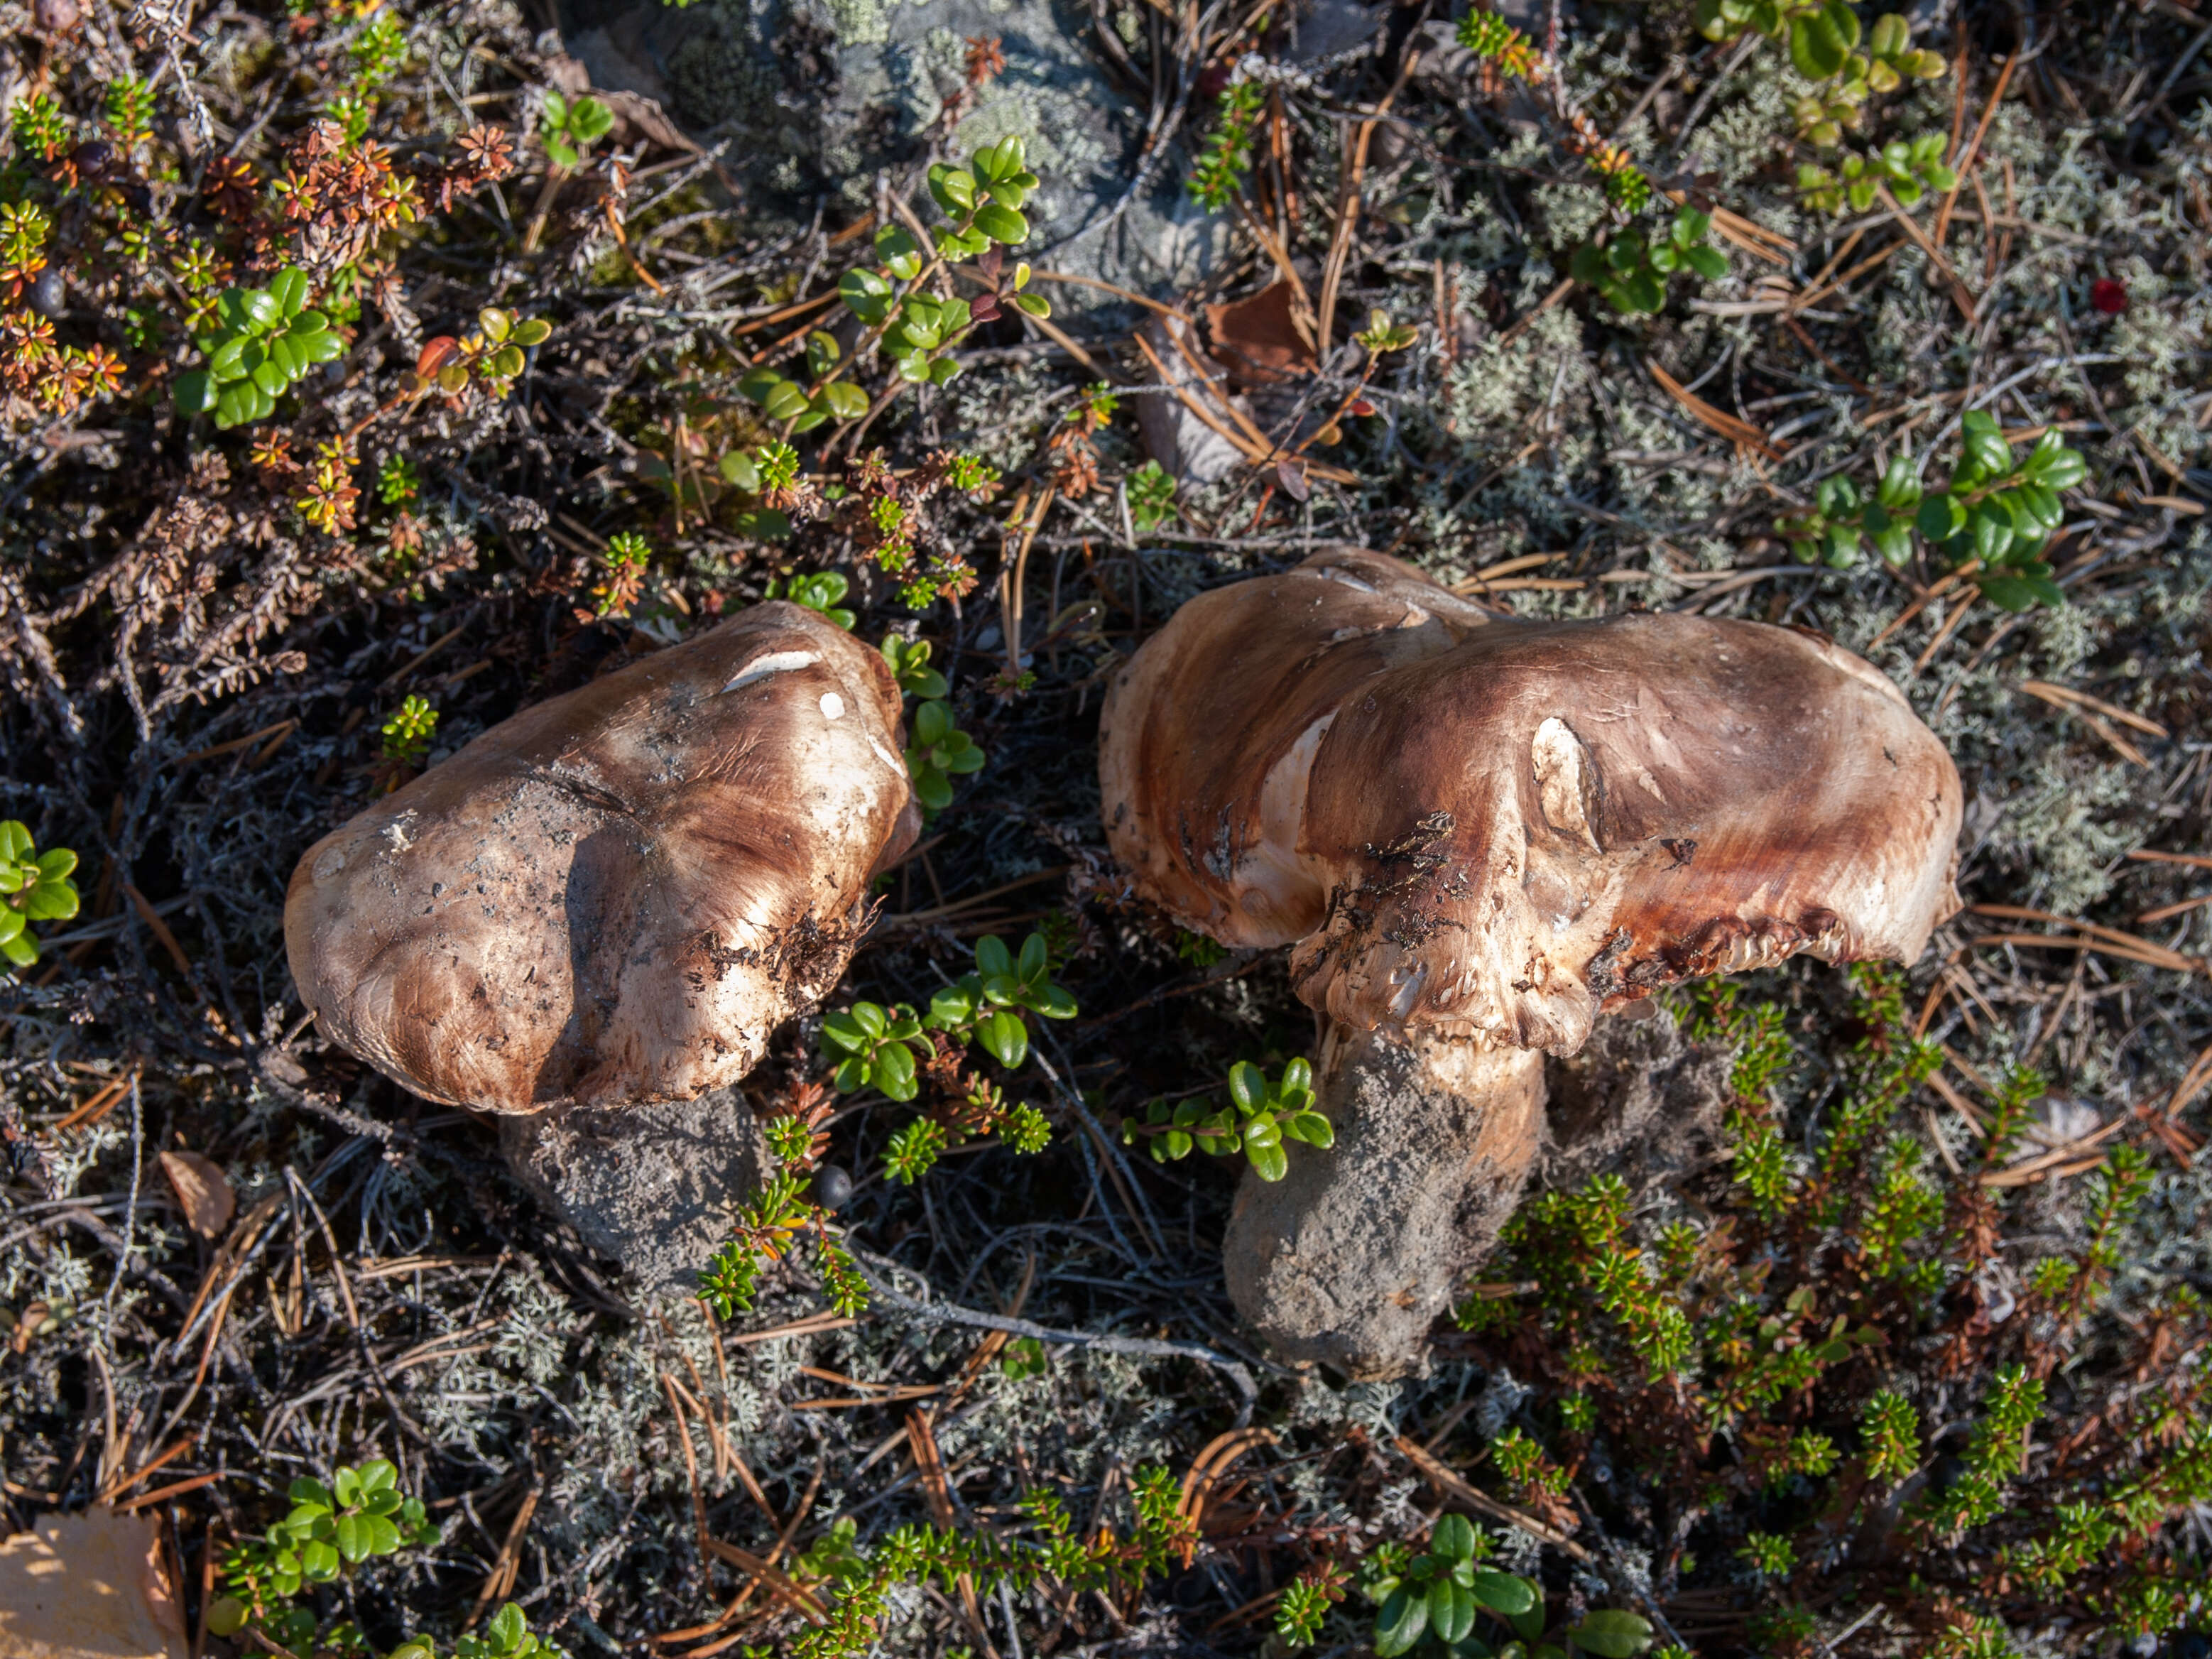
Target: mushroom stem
x=1348 y=1258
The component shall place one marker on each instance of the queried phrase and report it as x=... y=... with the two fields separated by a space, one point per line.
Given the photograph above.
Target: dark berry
x=94 y=155
x=2109 y=296
x=833 y=1187
x=50 y=294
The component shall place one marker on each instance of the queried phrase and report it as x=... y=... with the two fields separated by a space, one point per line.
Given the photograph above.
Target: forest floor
x=1987 y=1162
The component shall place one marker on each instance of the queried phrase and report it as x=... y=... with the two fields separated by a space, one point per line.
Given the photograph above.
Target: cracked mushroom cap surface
x=617 y=895
x=1496 y=828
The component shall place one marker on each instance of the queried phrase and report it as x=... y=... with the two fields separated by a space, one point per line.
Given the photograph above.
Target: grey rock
x=1640 y=1099
x=815 y=98
x=1349 y=1257
x=650 y=1186
x=1174 y=434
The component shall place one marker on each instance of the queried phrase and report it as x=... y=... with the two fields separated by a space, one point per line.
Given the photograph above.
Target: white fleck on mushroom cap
x=1496 y=828
x=617 y=895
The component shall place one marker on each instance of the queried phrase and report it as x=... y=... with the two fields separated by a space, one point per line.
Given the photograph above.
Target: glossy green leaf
x=1454 y=1537
x=194 y=392
x=1504 y=1593
x=893 y=1071
x=1403 y=1621
x=1613 y=1633
x=866 y=294
x=1452 y=1609
x=953 y=187
x=1002 y=1032
x=1002 y=224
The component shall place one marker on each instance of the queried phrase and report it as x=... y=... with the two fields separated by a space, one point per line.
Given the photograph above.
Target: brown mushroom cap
x=1493 y=828
x=617 y=895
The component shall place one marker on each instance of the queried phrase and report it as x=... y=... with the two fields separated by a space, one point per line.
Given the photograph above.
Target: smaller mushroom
x=608 y=902
x=1478 y=833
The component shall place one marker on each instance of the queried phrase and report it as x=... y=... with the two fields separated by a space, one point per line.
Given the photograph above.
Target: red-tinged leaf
x=984 y=307
x=989 y=262
x=434 y=354
x=1293 y=479
x=1360 y=406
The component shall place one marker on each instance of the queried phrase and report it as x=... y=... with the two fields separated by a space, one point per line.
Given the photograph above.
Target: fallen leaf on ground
x=204 y=1191
x=1258 y=338
x=89 y=1586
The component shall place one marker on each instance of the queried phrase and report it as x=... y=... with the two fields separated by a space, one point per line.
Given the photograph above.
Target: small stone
x=833 y=1187
x=50 y=292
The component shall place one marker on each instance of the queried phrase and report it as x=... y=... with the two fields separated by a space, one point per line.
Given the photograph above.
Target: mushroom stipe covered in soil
x=1477 y=834
x=614 y=897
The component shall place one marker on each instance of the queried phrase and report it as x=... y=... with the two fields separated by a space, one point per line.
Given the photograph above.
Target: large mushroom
x=1478 y=833
x=606 y=903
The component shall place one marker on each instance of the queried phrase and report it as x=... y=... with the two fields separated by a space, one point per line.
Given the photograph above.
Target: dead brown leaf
x=204 y=1191
x=89 y=1586
x=1258 y=338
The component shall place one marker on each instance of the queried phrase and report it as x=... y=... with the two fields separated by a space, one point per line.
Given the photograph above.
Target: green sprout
x=1437 y=1592
x=1152 y=491
x=1218 y=176
x=909 y=665
x=819 y=592
x=987 y=1004
x=1631 y=272
x=266 y=339
x=396 y=483
x=1381 y=335
x=1820 y=34
x=34 y=886
x=1306 y=1601
x=939 y=752
x=129 y=111
x=1768 y=1554
x=407 y=733
x=2001 y=511
x=1259 y=1116
x=1890 y=1428
x=1997 y=510
x=874 y=1048
x=361 y=1513
x=1911 y=169
x=1024 y=1357
x=568 y=128
x=913 y=1150
x=982 y=203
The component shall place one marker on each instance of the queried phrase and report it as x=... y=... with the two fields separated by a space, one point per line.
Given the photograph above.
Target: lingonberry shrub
x=34 y=886
x=903 y=1057
x=1990 y=522
x=1260 y=1115
x=267 y=1600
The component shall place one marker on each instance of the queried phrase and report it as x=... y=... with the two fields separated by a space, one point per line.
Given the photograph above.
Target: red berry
x=2109 y=296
